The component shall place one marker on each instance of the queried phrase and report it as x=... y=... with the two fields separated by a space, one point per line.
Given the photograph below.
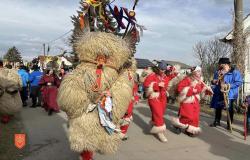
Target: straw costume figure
x=103 y=57
x=96 y=95
x=10 y=100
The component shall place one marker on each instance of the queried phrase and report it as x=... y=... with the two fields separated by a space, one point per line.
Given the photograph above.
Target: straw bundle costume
x=97 y=93
x=105 y=62
x=128 y=117
x=10 y=100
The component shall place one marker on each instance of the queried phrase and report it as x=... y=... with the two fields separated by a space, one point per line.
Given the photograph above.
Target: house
x=184 y=67
x=143 y=64
x=44 y=60
x=228 y=39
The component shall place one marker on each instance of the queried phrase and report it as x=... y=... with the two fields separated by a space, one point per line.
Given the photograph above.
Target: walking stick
x=245 y=121
x=225 y=91
x=245 y=125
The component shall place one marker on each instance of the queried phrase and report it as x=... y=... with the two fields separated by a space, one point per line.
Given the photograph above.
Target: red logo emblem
x=20 y=140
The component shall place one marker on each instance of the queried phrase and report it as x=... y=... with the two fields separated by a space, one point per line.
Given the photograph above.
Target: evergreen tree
x=13 y=55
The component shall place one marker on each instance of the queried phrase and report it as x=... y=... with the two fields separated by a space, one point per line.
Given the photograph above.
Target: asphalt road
x=47 y=139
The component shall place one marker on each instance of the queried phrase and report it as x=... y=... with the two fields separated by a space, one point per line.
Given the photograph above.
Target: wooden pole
x=238 y=56
x=44 y=50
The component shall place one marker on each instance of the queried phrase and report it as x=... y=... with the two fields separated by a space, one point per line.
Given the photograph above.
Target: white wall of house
x=139 y=71
x=246 y=28
x=247 y=68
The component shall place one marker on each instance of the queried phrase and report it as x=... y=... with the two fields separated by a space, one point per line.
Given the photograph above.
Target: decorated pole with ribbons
x=104 y=16
x=125 y=33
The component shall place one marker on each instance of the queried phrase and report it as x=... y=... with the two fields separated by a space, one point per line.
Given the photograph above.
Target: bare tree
x=200 y=51
x=208 y=54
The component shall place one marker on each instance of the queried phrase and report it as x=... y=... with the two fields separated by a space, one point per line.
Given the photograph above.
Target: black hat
x=162 y=65
x=35 y=67
x=224 y=61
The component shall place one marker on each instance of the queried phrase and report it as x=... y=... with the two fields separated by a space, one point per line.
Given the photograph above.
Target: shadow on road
x=225 y=144
x=141 y=123
x=47 y=135
x=221 y=142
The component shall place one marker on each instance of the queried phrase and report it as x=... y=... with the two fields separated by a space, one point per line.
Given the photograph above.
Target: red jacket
x=152 y=82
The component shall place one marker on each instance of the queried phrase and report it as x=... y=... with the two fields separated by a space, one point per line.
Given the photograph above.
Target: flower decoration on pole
x=102 y=15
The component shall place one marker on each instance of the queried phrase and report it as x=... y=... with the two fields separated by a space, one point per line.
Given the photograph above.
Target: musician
x=225 y=77
x=189 y=90
x=156 y=85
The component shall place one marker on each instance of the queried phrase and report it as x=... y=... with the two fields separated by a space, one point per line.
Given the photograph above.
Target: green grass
x=8 y=151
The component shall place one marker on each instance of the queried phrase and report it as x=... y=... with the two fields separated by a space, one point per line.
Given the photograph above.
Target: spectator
x=9 y=66
x=34 y=79
x=25 y=79
x=1 y=64
x=50 y=83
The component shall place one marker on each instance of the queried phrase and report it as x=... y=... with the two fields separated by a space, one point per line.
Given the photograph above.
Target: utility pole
x=238 y=56
x=44 y=49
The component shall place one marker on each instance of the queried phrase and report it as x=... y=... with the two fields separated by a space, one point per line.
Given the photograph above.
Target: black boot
x=50 y=112
x=24 y=104
x=216 y=123
x=177 y=130
x=33 y=106
x=189 y=134
x=39 y=104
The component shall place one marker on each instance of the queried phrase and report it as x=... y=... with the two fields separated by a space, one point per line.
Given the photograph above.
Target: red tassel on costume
x=5 y=119
x=124 y=128
x=87 y=155
x=99 y=77
x=81 y=21
x=129 y=76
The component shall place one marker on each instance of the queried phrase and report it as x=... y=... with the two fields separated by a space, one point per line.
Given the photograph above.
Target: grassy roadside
x=8 y=151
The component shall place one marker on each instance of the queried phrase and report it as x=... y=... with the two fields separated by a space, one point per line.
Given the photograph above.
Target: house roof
x=246 y=28
x=182 y=65
x=143 y=63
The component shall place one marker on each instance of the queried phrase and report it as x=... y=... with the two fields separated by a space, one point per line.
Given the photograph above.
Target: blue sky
x=173 y=26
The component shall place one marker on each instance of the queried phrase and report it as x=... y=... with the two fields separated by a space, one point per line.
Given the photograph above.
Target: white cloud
x=30 y=23
x=174 y=26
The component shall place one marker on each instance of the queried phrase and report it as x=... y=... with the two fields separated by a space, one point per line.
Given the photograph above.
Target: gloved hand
x=225 y=87
x=161 y=84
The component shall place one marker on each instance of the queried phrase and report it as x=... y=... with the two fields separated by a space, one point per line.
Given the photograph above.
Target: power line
x=59 y=37
x=49 y=43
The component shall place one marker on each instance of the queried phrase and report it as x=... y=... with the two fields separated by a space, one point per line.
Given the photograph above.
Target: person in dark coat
x=224 y=76
x=61 y=74
x=50 y=83
x=9 y=66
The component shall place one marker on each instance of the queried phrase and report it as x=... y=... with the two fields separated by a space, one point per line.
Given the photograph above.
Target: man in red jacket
x=156 y=84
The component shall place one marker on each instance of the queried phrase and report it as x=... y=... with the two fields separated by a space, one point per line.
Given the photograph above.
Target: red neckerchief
x=99 y=77
x=129 y=75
